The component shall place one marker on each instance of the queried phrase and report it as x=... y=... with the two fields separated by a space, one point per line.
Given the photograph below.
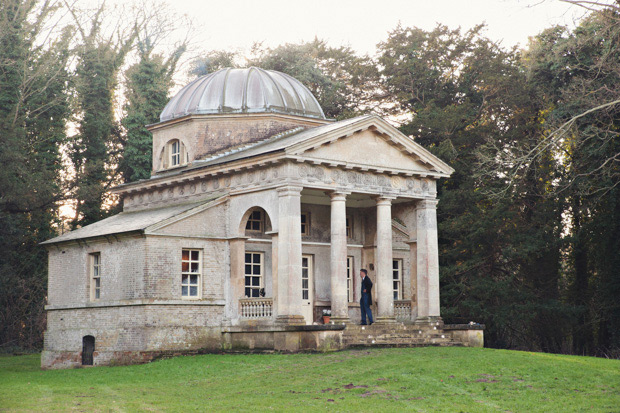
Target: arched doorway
x=88 y=349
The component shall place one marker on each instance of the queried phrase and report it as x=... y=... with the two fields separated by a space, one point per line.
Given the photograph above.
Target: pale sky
x=361 y=24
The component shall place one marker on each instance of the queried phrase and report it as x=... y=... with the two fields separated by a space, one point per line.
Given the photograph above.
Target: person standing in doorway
x=366 y=299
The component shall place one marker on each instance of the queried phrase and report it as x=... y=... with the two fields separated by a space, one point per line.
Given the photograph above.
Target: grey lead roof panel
x=126 y=222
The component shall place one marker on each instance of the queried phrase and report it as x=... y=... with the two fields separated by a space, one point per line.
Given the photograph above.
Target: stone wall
x=204 y=135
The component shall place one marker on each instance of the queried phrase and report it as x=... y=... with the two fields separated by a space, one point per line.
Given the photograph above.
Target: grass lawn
x=412 y=379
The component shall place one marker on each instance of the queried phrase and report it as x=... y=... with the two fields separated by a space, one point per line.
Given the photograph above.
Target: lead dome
x=250 y=90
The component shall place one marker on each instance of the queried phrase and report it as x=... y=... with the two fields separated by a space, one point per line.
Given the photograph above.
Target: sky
x=361 y=24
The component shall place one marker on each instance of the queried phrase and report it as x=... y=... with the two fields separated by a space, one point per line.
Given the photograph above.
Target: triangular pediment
x=371 y=144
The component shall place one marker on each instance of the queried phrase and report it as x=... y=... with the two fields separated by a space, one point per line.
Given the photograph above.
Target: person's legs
x=363 y=310
x=368 y=310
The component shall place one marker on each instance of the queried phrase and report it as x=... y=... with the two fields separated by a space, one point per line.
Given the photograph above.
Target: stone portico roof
x=131 y=221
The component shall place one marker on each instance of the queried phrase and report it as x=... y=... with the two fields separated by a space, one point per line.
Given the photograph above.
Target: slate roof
x=129 y=221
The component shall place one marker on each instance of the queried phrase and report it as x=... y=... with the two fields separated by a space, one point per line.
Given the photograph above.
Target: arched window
x=88 y=348
x=174 y=154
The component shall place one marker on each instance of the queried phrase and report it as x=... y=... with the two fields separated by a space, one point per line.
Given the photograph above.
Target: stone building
x=258 y=216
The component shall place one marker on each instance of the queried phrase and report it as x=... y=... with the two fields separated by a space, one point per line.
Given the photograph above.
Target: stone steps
x=397 y=335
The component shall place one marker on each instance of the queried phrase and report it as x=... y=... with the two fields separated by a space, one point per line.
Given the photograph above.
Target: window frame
x=189 y=273
x=261 y=275
x=175 y=155
x=350 y=278
x=306 y=224
x=349 y=226
x=261 y=221
x=398 y=292
x=94 y=265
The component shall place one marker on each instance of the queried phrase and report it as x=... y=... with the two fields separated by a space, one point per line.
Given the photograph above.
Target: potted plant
x=327 y=313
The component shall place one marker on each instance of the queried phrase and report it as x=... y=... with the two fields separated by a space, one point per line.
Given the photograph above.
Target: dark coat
x=367 y=285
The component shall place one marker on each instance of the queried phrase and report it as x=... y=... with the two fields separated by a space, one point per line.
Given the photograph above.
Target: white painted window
x=349 y=225
x=350 y=277
x=253 y=274
x=397 y=278
x=305 y=223
x=191 y=270
x=175 y=153
x=95 y=275
x=255 y=221
x=306 y=269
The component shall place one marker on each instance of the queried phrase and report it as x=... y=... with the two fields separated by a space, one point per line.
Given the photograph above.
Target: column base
x=385 y=320
x=340 y=320
x=291 y=320
x=436 y=321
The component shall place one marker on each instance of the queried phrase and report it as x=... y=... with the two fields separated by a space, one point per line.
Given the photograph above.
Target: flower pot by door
x=325 y=319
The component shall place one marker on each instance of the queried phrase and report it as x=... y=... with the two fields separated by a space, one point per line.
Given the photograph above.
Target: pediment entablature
x=370 y=145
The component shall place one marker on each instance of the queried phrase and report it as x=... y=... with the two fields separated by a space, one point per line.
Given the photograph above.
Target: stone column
x=289 y=256
x=339 y=300
x=384 y=290
x=428 y=262
x=413 y=276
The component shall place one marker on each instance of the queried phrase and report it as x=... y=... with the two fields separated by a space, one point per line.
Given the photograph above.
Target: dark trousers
x=365 y=308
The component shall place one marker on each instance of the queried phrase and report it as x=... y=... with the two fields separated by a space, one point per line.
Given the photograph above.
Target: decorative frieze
x=317 y=176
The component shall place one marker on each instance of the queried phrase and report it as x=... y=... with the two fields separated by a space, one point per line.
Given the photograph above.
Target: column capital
x=289 y=190
x=384 y=200
x=338 y=195
x=427 y=204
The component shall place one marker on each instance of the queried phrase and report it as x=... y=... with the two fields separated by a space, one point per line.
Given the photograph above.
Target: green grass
x=418 y=379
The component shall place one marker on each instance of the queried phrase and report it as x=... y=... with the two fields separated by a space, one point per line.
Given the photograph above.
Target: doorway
x=307 y=288
x=88 y=348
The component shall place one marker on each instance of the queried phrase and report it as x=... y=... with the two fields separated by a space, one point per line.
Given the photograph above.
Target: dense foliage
x=529 y=223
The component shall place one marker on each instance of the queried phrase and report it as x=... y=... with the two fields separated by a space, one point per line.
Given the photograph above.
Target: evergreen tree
x=96 y=148
x=148 y=83
x=33 y=112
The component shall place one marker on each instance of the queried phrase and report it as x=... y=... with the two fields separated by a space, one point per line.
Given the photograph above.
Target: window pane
x=184 y=291
x=97 y=282
x=248 y=281
x=304 y=218
x=248 y=292
x=396 y=285
x=256 y=215
x=248 y=269
x=304 y=294
x=304 y=273
x=254 y=293
x=193 y=291
x=185 y=255
x=256 y=269
x=195 y=266
x=96 y=271
x=256 y=281
x=395 y=275
x=195 y=255
x=194 y=279
x=396 y=295
x=248 y=258
x=184 y=279
x=304 y=283
x=184 y=266
x=395 y=264
x=256 y=258
x=97 y=293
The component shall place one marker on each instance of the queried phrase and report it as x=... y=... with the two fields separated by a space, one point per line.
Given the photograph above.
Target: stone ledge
x=449 y=327
x=274 y=329
x=128 y=303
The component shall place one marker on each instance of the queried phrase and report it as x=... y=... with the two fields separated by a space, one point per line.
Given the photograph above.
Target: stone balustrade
x=253 y=308
x=402 y=310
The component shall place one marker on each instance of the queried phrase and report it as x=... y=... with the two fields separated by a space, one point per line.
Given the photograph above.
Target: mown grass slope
x=416 y=379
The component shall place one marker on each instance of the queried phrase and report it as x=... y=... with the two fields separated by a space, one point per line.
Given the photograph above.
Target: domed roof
x=250 y=90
